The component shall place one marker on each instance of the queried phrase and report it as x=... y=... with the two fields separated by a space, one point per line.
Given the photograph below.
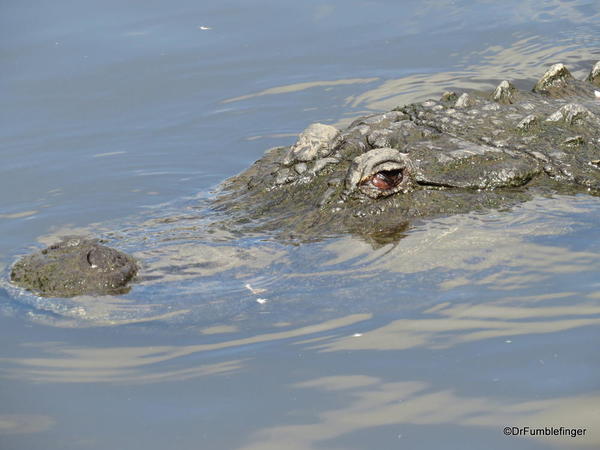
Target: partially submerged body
x=458 y=154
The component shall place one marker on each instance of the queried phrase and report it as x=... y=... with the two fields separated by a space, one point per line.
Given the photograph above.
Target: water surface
x=117 y=115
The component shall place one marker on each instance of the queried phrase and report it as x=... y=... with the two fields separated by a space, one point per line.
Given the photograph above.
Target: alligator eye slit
x=387 y=179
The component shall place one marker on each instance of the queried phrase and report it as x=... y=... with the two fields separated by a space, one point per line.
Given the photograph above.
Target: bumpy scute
x=557 y=77
x=594 y=76
x=505 y=93
x=314 y=142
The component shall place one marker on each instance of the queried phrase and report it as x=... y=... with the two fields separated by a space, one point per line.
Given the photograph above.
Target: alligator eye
x=380 y=172
x=386 y=179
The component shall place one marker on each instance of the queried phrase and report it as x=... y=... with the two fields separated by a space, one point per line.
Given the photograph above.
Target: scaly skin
x=437 y=157
x=458 y=154
x=75 y=266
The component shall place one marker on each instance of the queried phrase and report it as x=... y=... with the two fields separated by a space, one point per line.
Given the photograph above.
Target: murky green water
x=117 y=116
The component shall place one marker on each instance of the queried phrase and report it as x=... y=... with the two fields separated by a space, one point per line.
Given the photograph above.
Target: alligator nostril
x=90 y=259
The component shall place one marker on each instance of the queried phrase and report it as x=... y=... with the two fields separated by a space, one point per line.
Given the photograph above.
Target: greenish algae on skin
x=75 y=266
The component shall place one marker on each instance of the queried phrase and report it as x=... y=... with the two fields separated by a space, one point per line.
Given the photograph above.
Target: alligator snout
x=75 y=266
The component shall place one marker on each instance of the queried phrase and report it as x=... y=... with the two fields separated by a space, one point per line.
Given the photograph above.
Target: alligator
x=456 y=154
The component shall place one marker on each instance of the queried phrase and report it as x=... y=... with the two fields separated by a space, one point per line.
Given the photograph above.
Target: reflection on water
x=446 y=326
x=134 y=364
x=372 y=403
x=300 y=87
x=18 y=215
x=24 y=423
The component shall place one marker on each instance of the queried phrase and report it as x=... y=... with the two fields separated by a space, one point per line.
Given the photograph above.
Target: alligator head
x=456 y=154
